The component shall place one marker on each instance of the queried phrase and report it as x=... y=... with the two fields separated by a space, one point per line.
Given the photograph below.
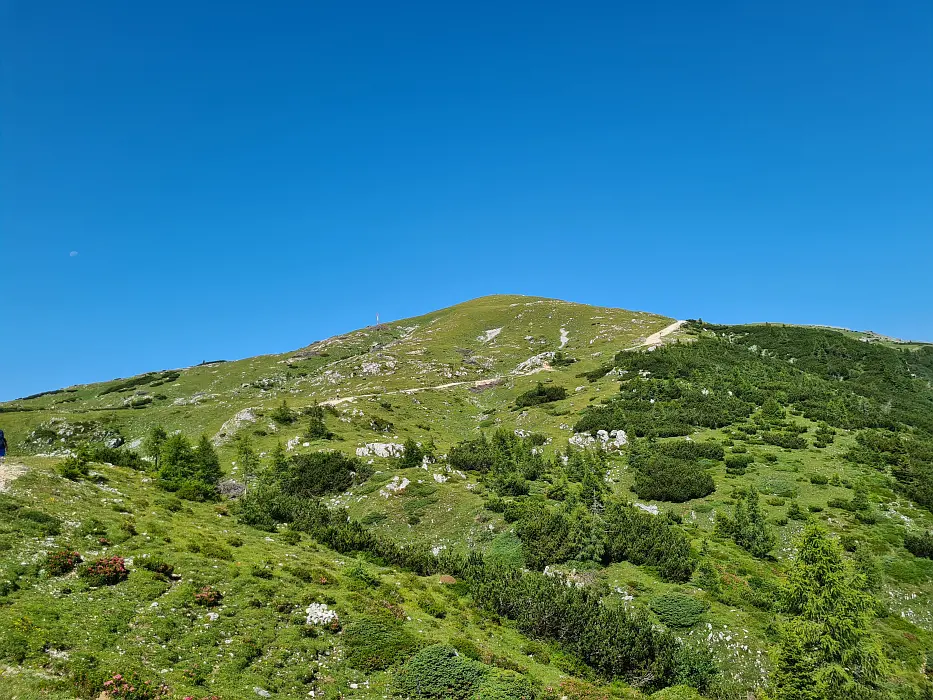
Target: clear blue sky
x=239 y=177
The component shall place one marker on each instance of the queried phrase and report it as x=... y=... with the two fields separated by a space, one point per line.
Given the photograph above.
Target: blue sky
x=240 y=178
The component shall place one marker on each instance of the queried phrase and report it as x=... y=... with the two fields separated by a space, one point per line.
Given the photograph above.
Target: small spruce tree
x=206 y=462
x=246 y=457
x=747 y=527
x=412 y=456
x=827 y=648
x=278 y=464
x=317 y=429
x=176 y=459
x=282 y=414
x=152 y=446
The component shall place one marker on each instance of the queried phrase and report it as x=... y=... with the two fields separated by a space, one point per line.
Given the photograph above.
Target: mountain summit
x=513 y=497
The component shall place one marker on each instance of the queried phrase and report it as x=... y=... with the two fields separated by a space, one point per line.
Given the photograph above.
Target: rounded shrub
x=106 y=571
x=438 y=671
x=375 y=644
x=61 y=562
x=208 y=597
x=156 y=565
x=676 y=610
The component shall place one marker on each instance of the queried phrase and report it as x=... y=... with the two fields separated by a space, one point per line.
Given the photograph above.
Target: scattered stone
x=231 y=426
x=380 y=449
x=229 y=488
x=647 y=508
x=396 y=486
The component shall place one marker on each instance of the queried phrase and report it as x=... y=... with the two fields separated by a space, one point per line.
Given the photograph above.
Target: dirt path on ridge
x=656 y=338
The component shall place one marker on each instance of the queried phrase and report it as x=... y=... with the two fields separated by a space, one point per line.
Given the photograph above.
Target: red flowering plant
x=106 y=571
x=61 y=562
x=208 y=597
x=131 y=687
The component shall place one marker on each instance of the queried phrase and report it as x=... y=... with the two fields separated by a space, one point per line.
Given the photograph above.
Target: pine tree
x=794 y=674
x=860 y=499
x=283 y=414
x=206 y=462
x=827 y=649
x=747 y=527
x=152 y=447
x=412 y=456
x=586 y=541
x=757 y=537
x=246 y=457
x=278 y=464
x=772 y=410
x=176 y=459
x=317 y=429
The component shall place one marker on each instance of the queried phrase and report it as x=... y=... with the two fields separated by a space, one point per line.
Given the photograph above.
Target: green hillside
x=513 y=497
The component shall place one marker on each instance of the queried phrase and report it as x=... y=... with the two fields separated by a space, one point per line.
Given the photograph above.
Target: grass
x=151 y=623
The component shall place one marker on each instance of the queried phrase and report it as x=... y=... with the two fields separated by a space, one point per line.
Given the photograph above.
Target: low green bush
x=438 y=671
x=156 y=565
x=677 y=692
x=920 y=545
x=505 y=685
x=676 y=610
x=375 y=644
x=74 y=468
x=14 y=646
x=215 y=550
x=431 y=605
x=541 y=394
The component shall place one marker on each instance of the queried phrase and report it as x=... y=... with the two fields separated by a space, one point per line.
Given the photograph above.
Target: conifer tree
x=206 y=462
x=278 y=463
x=827 y=649
x=747 y=527
x=586 y=541
x=412 y=456
x=246 y=457
x=283 y=414
x=152 y=447
x=176 y=459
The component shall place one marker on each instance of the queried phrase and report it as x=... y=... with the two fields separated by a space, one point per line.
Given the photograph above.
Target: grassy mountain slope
x=440 y=379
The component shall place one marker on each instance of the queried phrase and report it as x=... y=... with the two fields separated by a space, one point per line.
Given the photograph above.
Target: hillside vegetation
x=509 y=498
